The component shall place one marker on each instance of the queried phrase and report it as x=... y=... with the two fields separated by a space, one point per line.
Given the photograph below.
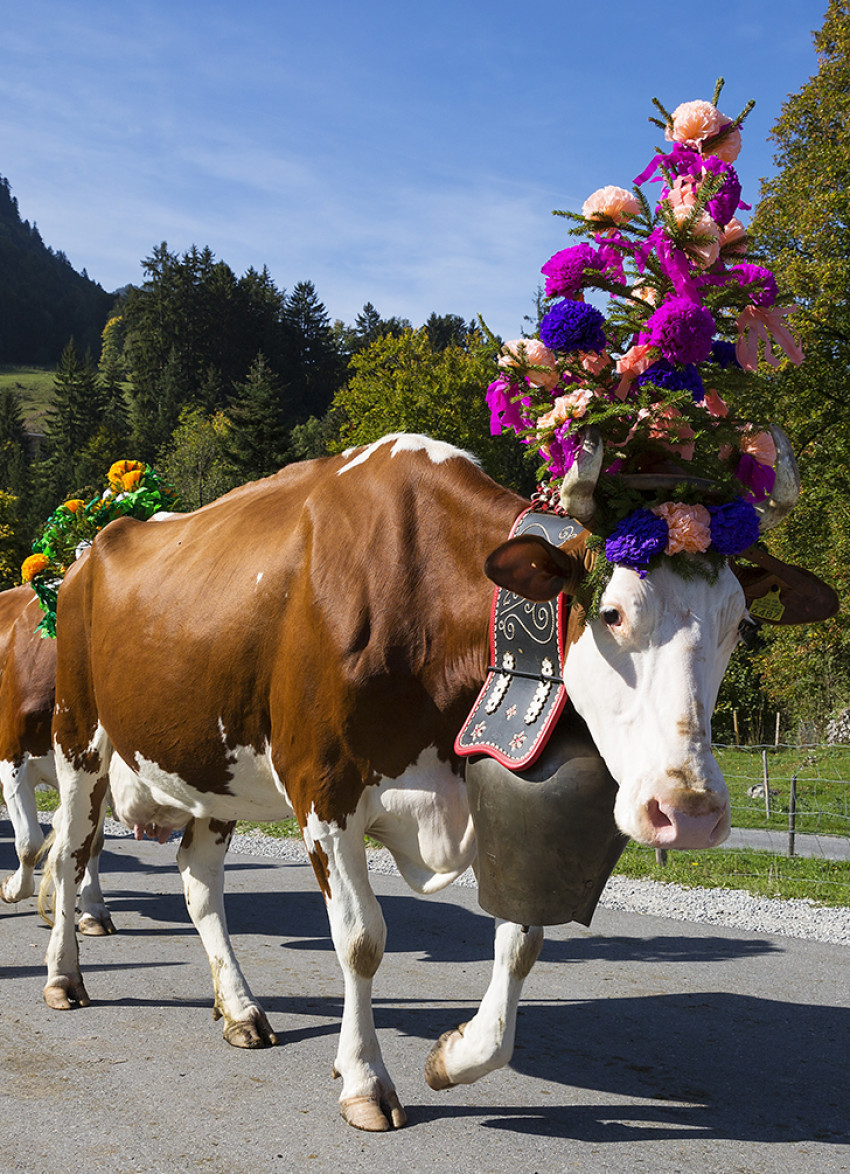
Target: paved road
x=644 y=1043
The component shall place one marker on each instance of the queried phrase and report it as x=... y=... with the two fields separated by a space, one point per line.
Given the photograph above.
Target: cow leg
x=78 y=821
x=368 y=1099
x=19 y=795
x=486 y=1042
x=95 y=920
x=200 y=859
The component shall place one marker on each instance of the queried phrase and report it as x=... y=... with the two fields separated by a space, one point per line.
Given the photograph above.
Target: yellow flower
x=33 y=566
x=119 y=470
x=75 y=504
x=130 y=481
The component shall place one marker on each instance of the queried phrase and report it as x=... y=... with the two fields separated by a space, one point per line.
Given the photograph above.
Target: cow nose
x=674 y=828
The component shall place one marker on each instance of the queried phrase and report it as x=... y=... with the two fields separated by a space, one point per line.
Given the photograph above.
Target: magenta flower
x=682 y=330
x=765 y=291
x=564 y=272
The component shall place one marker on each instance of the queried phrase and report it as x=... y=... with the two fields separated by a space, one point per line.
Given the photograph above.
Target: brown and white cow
x=312 y=642
x=27 y=687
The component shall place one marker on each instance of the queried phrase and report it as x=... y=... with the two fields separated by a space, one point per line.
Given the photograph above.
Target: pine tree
x=318 y=369
x=257 y=438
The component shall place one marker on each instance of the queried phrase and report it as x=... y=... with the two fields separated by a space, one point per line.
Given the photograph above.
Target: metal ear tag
x=769 y=607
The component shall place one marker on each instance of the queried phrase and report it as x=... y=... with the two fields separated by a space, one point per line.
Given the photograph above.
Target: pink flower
x=759 y=445
x=633 y=363
x=571 y=406
x=689 y=527
x=734 y=237
x=532 y=352
x=768 y=325
x=610 y=203
x=714 y=405
x=693 y=122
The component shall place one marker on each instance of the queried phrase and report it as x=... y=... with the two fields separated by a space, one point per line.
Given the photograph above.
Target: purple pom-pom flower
x=682 y=330
x=637 y=539
x=564 y=272
x=664 y=374
x=734 y=526
x=573 y=326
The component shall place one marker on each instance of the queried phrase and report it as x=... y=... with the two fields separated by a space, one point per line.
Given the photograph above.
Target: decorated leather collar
x=524 y=693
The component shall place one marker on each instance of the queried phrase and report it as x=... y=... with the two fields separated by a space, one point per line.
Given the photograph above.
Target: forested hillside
x=43 y=301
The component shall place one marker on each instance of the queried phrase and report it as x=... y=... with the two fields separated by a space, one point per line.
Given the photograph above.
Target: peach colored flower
x=708 y=250
x=646 y=293
x=610 y=203
x=729 y=148
x=594 y=364
x=714 y=405
x=571 y=406
x=633 y=363
x=759 y=445
x=533 y=352
x=683 y=193
x=689 y=527
x=693 y=122
x=734 y=237
x=668 y=426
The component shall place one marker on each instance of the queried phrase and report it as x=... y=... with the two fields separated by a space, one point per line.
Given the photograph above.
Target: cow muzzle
x=684 y=819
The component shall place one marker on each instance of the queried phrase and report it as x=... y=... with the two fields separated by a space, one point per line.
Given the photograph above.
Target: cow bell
x=547 y=840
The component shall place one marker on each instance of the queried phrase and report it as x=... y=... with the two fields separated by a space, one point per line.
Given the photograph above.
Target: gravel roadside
x=728 y=907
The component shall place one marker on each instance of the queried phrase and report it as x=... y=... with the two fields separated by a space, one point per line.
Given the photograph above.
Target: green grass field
x=823 y=789
x=34 y=385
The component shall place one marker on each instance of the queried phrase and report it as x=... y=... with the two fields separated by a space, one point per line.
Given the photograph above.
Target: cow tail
x=47 y=889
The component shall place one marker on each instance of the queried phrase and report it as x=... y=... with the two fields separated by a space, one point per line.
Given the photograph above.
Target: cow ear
x=780 y=593
x=535 y=569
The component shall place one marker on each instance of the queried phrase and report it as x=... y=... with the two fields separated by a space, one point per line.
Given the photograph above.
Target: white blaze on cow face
x=644 y=675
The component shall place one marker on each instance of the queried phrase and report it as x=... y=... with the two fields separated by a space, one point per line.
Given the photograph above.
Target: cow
x=311 y=643
x=27 y=687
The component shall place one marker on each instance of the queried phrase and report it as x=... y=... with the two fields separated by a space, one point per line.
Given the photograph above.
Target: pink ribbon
x=766 y=323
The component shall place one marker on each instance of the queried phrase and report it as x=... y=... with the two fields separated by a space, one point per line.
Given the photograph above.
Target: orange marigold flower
x=131 y=480
x=75 y=504
x=119 y=470
x=33 y=566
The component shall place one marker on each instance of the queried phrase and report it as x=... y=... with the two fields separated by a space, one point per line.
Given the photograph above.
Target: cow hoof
x=64 y=993
x=436 y=1074
x=11 y=893
x=375 y=1114
x=253 y=1032
x=96 y=926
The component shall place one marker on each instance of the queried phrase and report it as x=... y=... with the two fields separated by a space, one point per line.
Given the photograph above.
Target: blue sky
x=407 y=155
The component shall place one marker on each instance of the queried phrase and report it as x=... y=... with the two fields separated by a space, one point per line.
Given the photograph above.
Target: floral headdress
x=133 y=489
x=645 y=387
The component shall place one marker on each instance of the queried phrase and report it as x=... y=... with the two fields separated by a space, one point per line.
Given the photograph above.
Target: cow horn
x=786 y=489
x=579 y=482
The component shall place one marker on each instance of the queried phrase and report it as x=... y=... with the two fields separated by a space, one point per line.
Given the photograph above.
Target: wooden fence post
x=792 y=815
x=766 y=779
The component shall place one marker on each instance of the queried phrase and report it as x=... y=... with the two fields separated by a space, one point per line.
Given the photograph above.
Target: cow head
x=645 y=671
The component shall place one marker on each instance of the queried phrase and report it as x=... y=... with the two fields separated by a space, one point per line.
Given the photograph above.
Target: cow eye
x=610 y=617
